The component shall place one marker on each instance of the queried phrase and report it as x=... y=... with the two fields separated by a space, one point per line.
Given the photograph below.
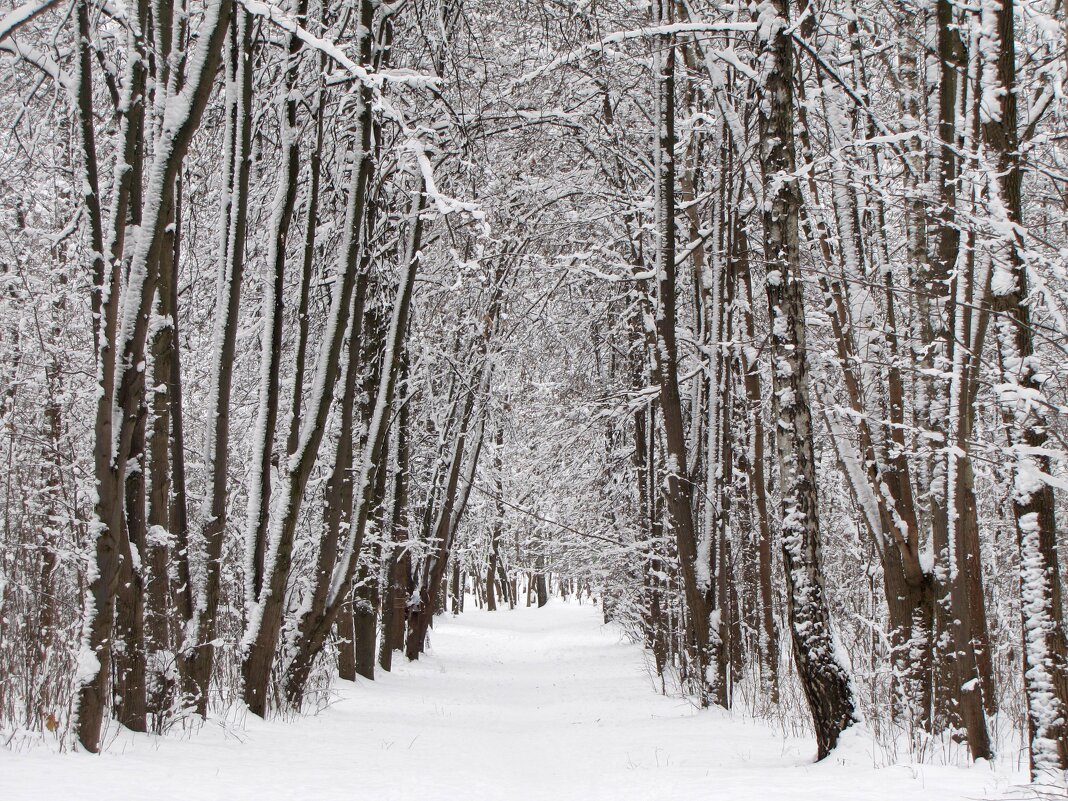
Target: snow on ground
x=532 y=704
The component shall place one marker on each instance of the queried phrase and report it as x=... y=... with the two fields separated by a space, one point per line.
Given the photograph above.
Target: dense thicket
x=746 y=319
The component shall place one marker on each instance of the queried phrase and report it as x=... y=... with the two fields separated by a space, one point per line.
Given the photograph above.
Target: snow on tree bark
x=823 y=676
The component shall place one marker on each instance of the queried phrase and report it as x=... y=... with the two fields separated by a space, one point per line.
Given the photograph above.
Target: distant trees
x=885 y=220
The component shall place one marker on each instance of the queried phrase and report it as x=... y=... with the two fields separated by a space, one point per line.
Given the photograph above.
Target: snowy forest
x=739 y=329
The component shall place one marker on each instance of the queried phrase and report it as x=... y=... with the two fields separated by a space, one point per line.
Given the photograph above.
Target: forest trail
x=531 y=703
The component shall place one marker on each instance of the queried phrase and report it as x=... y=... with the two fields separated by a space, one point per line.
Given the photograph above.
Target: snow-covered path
x=530 y=704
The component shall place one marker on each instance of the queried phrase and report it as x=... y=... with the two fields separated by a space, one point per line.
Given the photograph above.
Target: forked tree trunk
x=199 y=648
x=314 y=626
x=364 y=339
x=430 y=586
x=121 y=389
x=954 y=327
x=259 y=490
x=265 y=616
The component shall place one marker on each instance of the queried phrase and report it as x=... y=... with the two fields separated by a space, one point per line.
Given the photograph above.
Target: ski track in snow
x=528 y=704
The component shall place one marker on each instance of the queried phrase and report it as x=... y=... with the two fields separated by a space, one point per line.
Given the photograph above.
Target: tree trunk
x=259 y=490
x=161 y=539
x=1045 y=653
x=540 y=584
x=963 y=677
x=265 y=617
x=495 y=564
x=876 y=469
x=200 y=646
x=678 y=492
x=823 y=678
x=367 y=595
x=752 y=462
x=121 y=389
x=399 y=562
x=456 y=590
x=315 y=625
x=430 y=586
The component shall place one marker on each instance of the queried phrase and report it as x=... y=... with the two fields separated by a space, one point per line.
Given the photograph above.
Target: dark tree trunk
x=159 y=609
x=431 y=586
x=366 y=595
x=121 y=390
x=258 y=657
x=130 y=680
x=541 y=584
x=364 y=337
x=397 y=589
x=315 y=626
x=755 y=480
x=963 y=686
x=129 y=690
x=259 y=502
x=457 y=589
x=495 y=564
x=200 y=651
x=345 y=629
x=678 y=490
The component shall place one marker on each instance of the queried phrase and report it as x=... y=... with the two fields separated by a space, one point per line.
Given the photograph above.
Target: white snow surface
x=531 y=703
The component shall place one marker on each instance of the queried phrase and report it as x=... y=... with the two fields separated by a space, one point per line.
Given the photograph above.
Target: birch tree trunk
x=880 y=483
x=1045 y=655
x=823 y=677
